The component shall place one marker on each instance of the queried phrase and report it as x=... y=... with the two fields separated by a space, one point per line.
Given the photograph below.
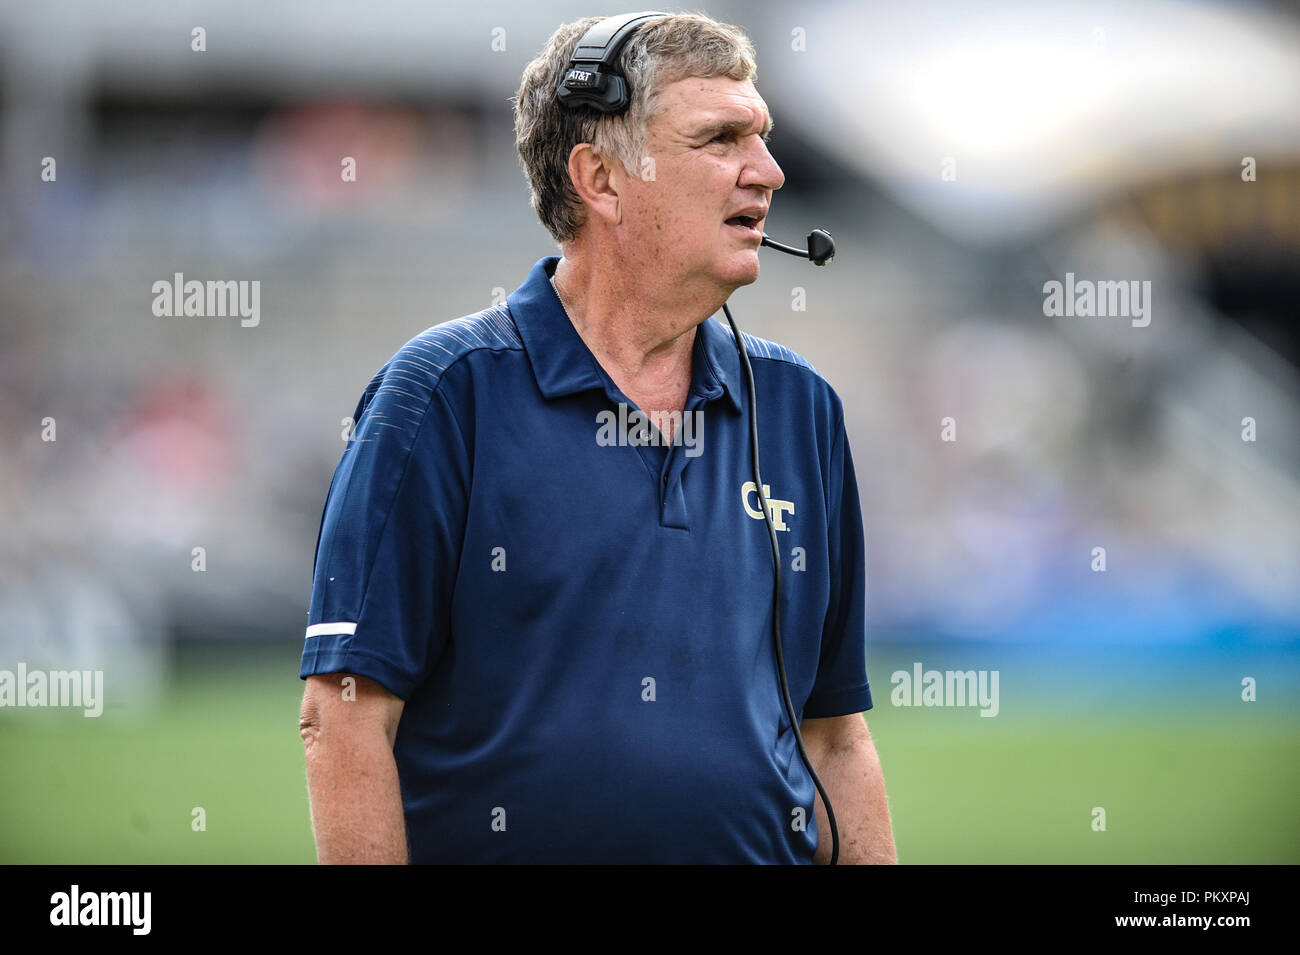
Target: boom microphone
x=821 y=247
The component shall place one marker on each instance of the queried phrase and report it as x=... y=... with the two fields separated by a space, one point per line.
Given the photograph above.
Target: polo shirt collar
x=563 y=364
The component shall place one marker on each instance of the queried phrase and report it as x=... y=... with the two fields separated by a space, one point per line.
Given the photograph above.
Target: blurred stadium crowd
x=1072 y=433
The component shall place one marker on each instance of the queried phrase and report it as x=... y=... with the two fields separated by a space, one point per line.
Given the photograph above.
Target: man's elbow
x=309 y=722
x=344 y=705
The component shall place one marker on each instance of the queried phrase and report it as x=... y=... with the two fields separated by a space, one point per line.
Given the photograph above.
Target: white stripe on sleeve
x=330 y=629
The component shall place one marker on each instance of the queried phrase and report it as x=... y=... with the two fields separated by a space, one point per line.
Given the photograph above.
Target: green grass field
x=1179 y=783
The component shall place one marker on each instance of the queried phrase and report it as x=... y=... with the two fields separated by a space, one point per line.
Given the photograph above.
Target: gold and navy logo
x=774 y=507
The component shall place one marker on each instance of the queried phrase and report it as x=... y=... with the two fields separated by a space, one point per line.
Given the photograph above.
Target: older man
x=538 y=635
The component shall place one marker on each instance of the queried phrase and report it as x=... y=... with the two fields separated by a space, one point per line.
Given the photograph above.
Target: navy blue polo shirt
x=577 y=616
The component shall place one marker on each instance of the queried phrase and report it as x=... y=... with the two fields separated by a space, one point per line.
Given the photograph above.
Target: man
x=540 y=635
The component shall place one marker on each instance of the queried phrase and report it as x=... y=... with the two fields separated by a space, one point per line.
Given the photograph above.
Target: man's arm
x=356 y=801
x=841 y=751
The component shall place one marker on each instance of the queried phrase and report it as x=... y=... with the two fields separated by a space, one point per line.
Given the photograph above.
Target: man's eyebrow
x=726 y=126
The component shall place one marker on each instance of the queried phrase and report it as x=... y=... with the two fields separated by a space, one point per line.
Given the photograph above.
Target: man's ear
x=597 y=180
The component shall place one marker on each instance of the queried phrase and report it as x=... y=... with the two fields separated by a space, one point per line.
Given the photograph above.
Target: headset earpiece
x=593 y=78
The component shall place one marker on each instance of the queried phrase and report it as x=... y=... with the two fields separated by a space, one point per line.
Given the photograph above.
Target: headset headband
x=592 y=78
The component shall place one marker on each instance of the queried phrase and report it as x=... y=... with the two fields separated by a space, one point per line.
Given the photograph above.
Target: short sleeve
x=388 y=547
x=842 y=686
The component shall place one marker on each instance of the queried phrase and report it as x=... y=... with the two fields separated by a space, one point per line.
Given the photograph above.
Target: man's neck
x=641 y=337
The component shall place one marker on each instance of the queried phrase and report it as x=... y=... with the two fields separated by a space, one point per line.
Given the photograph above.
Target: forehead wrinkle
x=676 y=103
x=727 y=125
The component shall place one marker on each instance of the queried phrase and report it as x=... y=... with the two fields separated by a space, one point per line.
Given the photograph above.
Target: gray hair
x=661 y=52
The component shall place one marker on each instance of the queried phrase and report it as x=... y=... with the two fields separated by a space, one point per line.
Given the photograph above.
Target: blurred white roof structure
x=1034 y=109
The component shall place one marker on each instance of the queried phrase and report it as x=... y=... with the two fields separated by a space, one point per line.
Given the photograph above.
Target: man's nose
x=761 y=169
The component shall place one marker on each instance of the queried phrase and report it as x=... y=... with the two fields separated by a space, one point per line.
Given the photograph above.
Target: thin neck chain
x=561 y=298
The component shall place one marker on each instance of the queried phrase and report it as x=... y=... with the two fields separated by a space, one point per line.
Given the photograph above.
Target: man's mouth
x=746 y=223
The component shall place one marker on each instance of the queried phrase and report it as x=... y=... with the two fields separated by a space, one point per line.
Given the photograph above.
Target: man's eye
x=719 y=137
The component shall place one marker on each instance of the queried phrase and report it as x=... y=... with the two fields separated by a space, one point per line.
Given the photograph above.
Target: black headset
x=593 y=80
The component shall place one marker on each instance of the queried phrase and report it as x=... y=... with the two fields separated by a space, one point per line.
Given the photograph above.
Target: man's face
x=710 y=164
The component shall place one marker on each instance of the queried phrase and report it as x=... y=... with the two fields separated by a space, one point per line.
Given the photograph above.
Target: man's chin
x=742 y=268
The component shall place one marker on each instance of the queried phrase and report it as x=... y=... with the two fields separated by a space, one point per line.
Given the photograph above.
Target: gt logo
x=775 y=508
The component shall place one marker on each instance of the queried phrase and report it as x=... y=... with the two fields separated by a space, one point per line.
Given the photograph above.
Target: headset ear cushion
x=616 y=94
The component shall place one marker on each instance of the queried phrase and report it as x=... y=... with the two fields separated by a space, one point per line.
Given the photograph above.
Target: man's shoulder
x=790 y=364
x=426 y=357
x=756 y=347
x=436 y=348
x=788 y=383
x=413 y=374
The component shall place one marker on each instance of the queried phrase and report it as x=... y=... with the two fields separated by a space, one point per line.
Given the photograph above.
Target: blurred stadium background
x=962 y=155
